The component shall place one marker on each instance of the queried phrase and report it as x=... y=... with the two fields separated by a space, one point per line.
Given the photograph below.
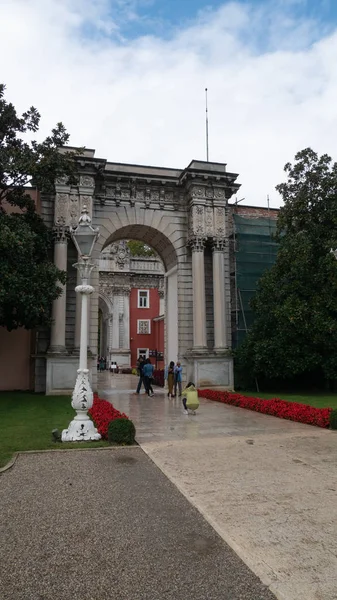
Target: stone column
x=126 y=319
x=219 y=299
x=58 y=328
x=115 y=323
x=199 y=299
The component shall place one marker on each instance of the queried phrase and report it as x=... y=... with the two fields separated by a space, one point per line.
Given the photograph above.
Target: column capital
x=60 y=234
x=197 y=244
x=218 y=244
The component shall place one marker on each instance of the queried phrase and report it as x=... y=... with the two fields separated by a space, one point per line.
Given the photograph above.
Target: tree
x=140 y=249
x=295 y=328
x=29 y=281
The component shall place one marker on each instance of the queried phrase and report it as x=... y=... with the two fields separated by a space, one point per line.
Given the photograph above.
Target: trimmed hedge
x=121 y=431
x=333 y=419
x=293 y=411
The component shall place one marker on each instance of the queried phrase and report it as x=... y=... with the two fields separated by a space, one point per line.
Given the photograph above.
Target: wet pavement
x=266 y=485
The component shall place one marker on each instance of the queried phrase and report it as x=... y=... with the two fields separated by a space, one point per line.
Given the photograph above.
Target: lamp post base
x=80 y=431
x=81 y=427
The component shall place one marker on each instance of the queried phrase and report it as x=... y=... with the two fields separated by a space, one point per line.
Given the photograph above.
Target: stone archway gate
x=183 y=215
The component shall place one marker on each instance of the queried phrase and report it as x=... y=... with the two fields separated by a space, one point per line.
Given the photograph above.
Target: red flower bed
x=293 y=411
x=102 y=412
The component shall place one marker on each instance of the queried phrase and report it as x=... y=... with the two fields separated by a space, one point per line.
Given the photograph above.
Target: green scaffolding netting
x=255 y=251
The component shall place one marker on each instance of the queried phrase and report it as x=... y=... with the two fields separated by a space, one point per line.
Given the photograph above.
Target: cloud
x=272 y=83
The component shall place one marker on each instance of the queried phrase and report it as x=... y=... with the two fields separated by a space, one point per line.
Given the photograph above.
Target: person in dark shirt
x=140 y=365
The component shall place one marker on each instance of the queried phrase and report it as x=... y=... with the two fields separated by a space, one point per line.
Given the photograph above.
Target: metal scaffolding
x=254 y=251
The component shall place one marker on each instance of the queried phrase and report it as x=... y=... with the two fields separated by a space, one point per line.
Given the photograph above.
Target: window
x=143 y=326
x=143 y=299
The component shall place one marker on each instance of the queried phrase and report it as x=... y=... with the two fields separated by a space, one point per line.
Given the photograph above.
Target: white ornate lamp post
x=82 y=428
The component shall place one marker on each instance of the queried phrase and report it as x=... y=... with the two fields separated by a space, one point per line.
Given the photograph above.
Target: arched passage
x=167 y=252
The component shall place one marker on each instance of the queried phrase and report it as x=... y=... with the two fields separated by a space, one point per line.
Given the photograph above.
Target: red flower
x=102 y=412
x=293 y=411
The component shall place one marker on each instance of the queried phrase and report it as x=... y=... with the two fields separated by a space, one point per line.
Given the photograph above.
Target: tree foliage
x=140 y=249
x=295 y=327
x=29 y=281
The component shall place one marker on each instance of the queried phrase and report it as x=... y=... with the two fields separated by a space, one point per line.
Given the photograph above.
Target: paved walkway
x=108 y=525
x=267 y=486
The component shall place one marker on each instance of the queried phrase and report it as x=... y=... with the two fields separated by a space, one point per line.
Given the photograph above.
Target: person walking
x=101 y=364
x=190 y=398
x=148 y=369
x=140 y=365
x=169 y=375
x=177 y=378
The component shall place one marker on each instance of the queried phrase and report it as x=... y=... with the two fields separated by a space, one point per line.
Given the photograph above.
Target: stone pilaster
x=115 y=323
x=126 y=319
x=199 y=300
x=58 y=328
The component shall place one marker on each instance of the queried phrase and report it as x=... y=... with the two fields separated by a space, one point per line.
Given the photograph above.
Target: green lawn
x=27 y=420
x=318 y=400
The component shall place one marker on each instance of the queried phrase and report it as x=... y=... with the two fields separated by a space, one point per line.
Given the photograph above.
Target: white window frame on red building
x=143 y=321
x=141 y=298
x=140 y=351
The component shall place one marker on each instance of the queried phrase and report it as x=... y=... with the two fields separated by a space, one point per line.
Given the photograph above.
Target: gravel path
x=107 y=524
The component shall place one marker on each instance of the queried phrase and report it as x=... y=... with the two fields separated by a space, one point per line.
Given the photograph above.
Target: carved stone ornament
x=197 y=191
x=220 y=221
x=81 y=428
x=74 y=210
x=87 y=181
x=147 y=197
x=62 y=180
x=218 y=244
x=61 y=209
x=86 y=201
x=209 y=222
x=209 y=192
x=219 y=194
x=84 y=289
x=60 y=235
x=197 y=223
x=197 y=244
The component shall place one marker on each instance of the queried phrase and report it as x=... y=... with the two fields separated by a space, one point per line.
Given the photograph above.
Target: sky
x=127 y=78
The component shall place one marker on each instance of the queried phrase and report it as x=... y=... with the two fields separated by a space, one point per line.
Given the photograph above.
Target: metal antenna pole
x=207 y=147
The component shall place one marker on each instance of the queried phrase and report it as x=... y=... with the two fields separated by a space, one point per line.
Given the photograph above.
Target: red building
x=146 y=325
